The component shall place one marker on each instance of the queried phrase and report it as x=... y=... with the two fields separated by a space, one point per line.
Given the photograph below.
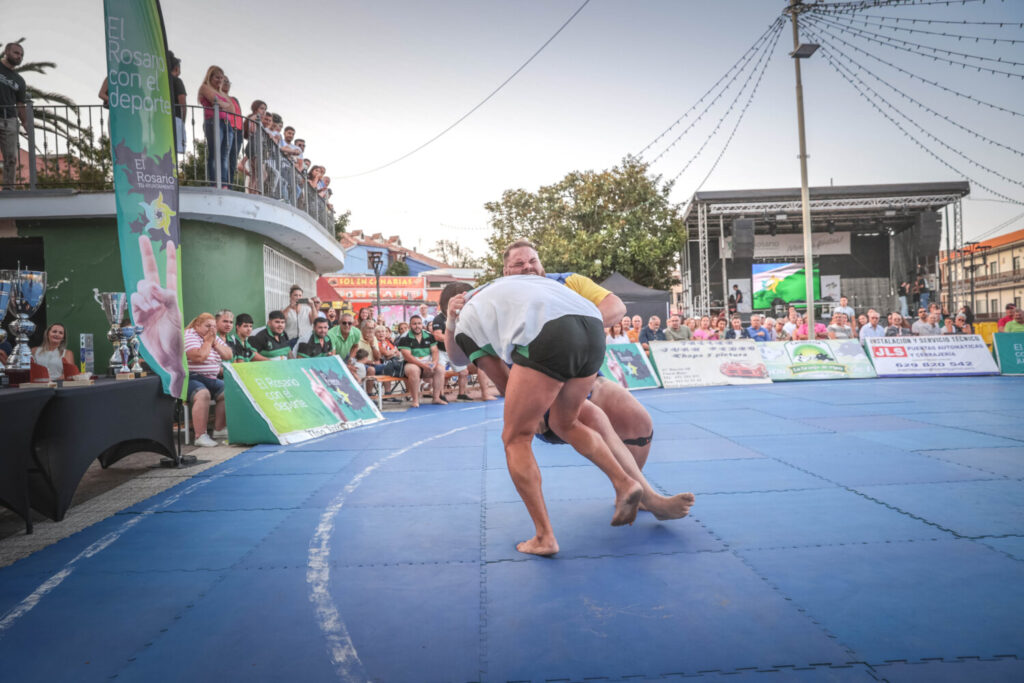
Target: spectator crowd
x=842 y=323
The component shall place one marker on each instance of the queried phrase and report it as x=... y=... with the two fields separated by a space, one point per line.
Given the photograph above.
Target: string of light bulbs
x=925 y=107
x=908 y=46
x=914 y=139
x=935 y=84
x=739 y=63
x=959 y=36
x=848 y=74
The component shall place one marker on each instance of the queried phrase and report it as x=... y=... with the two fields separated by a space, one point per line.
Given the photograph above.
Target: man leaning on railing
x=12 y=108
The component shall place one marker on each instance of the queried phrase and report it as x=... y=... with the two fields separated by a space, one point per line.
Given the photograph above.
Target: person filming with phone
x=299 y=315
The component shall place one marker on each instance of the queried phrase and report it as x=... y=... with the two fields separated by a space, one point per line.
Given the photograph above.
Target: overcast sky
x=366 y=82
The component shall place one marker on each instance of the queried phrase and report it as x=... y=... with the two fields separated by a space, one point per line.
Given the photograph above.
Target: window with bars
x=279 y=274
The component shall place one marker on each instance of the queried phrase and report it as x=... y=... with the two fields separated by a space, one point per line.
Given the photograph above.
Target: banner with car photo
x=627 y=364
x=824 y=359
x=293 y=400
x=708 y=363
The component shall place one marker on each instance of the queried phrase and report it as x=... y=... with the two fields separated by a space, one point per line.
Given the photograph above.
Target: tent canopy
x=639 y=300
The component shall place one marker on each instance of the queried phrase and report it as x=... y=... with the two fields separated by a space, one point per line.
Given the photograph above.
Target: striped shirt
x=209 y=367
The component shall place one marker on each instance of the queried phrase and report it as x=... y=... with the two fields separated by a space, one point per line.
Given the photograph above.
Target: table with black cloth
x=19 y=412
x=107 y=421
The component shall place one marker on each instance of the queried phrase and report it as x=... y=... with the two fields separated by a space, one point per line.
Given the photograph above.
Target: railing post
x=30 y=130
x=216 y=144
x=260 y=160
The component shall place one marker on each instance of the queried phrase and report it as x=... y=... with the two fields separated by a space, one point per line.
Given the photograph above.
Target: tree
x=594 y=223
x=397 y=268
x=70 y=155
x=455 y=255
x=341 y=222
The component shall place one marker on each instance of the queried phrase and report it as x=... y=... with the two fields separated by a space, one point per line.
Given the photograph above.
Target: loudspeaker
x=743 y=238
x=929 y=232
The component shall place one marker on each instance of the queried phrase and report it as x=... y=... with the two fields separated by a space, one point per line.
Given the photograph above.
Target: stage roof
x=849 y=207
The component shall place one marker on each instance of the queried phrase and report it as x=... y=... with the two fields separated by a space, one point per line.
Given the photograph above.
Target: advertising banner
x=364 y=287
x=146 y=183
x=825 y=359
x=947 y=354
x=708 y=363
x=1009 y=350
x=627 y=364
x=293 y=400
x=792 y=246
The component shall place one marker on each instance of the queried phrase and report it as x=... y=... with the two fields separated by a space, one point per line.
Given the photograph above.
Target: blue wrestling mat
x=843 y=531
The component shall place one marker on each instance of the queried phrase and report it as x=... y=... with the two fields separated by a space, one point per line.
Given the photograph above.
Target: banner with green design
x=824 y=359
x=288 y=401
x=1009 y=350
x=146 y=183
x=628 y=365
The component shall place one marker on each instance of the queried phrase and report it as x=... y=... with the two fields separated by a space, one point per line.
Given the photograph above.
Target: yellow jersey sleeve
x=586 y=288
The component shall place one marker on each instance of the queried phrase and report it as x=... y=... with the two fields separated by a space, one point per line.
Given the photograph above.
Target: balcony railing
x=69 y=147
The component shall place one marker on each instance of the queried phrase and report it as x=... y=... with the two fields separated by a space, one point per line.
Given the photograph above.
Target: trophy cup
x=28 y=287
x=5 y=296
x=131 y=333
x=114 y=305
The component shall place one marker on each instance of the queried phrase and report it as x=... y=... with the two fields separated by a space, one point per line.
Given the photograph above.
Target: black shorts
x=566 y=348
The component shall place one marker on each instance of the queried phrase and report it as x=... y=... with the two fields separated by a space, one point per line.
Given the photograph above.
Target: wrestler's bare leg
x=530 y=393
x=662 y=507
x=628 y=417
x=564 y=420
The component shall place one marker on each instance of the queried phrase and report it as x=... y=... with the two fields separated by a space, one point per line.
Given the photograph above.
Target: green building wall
x=221 y=267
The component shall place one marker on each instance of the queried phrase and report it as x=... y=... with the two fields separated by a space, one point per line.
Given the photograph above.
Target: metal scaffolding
x=835 y=208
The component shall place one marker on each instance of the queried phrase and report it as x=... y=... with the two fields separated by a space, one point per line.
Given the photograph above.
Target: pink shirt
x=819 y=330
x=222 y=101
x=211 y=366
x=700 y=333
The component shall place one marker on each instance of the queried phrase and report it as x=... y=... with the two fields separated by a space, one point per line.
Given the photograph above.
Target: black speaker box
x=929 y=232
x=743 y=238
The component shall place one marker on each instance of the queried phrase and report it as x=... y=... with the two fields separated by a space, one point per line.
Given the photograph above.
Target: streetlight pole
x=802 y=52
x=376 y=262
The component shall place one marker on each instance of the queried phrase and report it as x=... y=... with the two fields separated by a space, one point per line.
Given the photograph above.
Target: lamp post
x=975 y=247
x=803 y=51
x=376 y=261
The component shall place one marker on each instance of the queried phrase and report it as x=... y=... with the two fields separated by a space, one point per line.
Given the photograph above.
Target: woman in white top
x=616 y=335
x=553 y=338
x=54 y=351
x=299 y=316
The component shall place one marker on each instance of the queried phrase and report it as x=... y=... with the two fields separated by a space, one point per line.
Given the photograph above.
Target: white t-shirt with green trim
x=510 y=312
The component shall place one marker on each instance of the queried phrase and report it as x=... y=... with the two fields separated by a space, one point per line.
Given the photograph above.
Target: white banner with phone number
x=933 y=356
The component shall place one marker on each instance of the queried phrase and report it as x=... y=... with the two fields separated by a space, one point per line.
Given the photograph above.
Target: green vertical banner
x=146 y=183
x=1008 y=348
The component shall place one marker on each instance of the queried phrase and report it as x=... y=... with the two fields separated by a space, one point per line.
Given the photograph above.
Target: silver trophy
x=130 y=334
x=6 y=286
x=114 y=305
x=28 y=287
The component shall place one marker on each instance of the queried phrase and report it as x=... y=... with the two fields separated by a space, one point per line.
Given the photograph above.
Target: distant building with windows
x=996 y=268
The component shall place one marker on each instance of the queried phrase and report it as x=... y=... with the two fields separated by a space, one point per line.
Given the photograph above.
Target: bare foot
x=415 y=405
x=626 y=504
x=673 y=507
x=535 y=546
x=440 y=401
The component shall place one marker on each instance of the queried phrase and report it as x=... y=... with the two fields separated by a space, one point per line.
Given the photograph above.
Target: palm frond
x=37 y=94
x=36 y=67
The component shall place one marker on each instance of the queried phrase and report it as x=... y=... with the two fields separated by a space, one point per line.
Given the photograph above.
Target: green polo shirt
x=419 y=347
x=267 y=346
x=343 y=347
x=312 y=348
x=243 y=350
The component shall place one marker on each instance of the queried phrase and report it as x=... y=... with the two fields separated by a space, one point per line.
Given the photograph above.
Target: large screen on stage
x=785 y=281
